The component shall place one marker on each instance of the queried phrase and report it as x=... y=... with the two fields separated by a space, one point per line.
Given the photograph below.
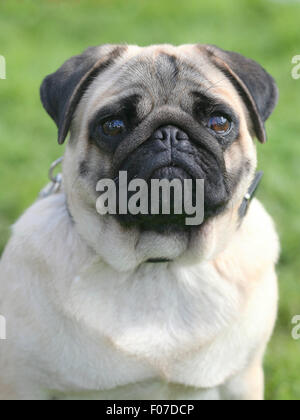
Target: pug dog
x=145 y=307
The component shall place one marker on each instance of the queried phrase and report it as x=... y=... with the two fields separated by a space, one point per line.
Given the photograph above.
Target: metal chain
x=56 y=181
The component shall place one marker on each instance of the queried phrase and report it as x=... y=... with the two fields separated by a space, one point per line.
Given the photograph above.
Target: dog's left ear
x=256 y=87
x=61 y=91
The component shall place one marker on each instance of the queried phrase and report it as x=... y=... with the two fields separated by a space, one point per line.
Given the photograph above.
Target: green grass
x=37 y=36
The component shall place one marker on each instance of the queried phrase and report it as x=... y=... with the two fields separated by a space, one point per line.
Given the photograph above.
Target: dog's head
x=161 y=112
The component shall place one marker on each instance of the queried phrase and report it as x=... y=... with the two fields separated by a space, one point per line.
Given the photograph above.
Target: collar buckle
x=56 y=181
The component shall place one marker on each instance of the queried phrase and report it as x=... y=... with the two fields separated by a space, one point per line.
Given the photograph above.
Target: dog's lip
x=175 y=168
x=179 y=161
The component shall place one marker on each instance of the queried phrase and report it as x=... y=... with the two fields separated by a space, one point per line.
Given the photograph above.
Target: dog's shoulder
x=254 y=250
x=42 y=235
x=40 y=225
x=259 y=232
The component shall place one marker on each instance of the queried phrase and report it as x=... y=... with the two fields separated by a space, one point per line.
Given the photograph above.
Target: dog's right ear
x=61 y=91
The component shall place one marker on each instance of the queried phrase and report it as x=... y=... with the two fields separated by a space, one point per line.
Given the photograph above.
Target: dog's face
x=161 y=112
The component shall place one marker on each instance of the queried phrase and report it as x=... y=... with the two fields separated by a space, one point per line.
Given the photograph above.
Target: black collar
x=250 y=195
x=159 y=261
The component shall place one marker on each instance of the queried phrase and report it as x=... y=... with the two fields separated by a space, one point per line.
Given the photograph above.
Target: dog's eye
x=113 y=128
x=220 y=124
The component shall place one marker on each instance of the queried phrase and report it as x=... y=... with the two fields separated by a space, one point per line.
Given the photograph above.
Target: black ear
x=62 y=91
x=257 y=88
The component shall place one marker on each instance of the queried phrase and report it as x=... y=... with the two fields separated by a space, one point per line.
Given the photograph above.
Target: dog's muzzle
x=170 y=154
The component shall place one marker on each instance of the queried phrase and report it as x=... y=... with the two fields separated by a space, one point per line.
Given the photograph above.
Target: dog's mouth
x=170 y=173
x=163 y=201
x=172 y=197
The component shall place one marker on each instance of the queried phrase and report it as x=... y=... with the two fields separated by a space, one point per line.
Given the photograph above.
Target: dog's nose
x=170 y=133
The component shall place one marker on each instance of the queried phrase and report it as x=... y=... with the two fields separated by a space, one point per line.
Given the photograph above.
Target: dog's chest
x=155 y=326
x=145 y=390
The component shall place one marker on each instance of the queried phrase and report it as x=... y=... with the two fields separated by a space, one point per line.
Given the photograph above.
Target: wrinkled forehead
x=160 y=75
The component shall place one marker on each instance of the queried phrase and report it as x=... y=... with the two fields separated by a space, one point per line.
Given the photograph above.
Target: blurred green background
x=37 y=36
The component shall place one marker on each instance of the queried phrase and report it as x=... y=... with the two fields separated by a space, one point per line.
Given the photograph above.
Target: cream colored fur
x=87 y=317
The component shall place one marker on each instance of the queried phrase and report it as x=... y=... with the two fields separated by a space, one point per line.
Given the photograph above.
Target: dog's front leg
x=23 y=392
x=247 y=385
